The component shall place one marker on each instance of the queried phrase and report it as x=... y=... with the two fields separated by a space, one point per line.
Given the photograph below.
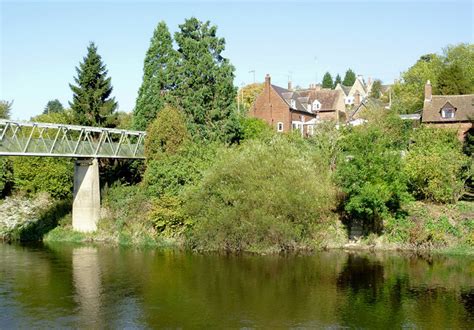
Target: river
x=60 y=285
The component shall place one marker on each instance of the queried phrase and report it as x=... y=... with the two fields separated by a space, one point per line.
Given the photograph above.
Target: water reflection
x=97 y=287
x=87 y=284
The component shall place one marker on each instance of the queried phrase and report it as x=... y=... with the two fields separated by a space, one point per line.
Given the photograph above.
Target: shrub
x=254 y=128
x=172 y=173
x=6 y=176
x=435 y=165
x=166 y=134
x=37 y=174
x=371 y=173
x=259 y=197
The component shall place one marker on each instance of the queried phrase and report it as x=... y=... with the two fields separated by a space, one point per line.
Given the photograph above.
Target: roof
x=288 y=95
x=327 y=98
x=464 y=105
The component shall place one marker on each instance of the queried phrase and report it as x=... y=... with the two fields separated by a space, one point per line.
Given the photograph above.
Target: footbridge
x=85 y=144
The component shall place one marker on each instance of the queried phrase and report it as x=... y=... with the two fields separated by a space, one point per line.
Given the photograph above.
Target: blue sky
x=42 y=41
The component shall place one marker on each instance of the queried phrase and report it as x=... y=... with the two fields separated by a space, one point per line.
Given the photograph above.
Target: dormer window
x=448 y=111
x=316 y=105
x=293 y=104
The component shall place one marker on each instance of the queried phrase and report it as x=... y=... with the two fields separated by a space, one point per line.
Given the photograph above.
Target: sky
x=41 y=42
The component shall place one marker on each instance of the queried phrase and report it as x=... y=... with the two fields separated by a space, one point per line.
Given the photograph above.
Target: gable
x=462 y=105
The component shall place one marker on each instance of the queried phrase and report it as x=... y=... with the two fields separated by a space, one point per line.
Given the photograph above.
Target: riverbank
x=427 y=228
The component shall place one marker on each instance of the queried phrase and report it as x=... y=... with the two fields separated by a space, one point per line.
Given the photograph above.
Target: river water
x=104 y=287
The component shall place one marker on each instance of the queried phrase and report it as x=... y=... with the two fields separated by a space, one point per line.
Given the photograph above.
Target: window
x=447 y=112
x=280 y=127
x=316 y=105
x=293 y=104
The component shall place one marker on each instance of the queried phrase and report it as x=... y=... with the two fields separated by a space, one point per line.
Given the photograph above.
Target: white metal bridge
x=19 y=138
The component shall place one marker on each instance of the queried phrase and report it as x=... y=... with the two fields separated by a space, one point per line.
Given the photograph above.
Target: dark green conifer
x=349 y=78
x=158 y=77
x=327 y=80
x=91 y=103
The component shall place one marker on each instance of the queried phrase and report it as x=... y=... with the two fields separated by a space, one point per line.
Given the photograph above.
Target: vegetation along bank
x=215 y=179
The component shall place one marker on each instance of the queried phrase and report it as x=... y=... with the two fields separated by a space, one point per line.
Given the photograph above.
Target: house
x=353 y=95
x=455 y=111
x=286 y=109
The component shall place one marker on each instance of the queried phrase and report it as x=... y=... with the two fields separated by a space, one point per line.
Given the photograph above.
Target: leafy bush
x=371 y=173
x=435 y=165
x=260 y=197
x=254 y=128
x=6 y=176
x=172 y=173
x=166 y=134
x=36 y=174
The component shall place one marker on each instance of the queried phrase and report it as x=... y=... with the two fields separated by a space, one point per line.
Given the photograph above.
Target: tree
x=349 y=78
x=436 y=166
x=5 y=108
x=166 y=134
x=204 y=86
x=158 y=80
x=327 y=80
x=92 y=104
x=407 y=96
x=337 y=80
x=453 y=81
x=53 y=106
x=376 y=90
x=248 y=94
x=462 y=55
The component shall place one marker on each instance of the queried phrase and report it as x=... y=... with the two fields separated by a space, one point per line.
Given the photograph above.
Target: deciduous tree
x=5 y=108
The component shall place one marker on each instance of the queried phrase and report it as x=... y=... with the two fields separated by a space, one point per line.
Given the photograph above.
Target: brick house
x=453 y=111
x=285 y=109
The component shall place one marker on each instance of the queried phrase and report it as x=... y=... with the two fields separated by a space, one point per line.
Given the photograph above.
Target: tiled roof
x=288 y=95
x=464 y=105
x=327 y=98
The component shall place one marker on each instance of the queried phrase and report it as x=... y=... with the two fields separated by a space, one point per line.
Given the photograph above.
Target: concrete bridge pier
x=86 y=198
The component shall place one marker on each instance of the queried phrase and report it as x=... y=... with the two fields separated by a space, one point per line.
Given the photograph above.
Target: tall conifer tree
x=158 y=77
x=204 y=85
x=337 y=80
x=349 y=78
x=91 y=103
x=327 y=80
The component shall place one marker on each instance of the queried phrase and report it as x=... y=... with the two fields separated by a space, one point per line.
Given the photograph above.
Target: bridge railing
x=60 y=140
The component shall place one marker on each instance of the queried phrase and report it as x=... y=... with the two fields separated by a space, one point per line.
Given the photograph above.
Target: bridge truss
x=59 y=140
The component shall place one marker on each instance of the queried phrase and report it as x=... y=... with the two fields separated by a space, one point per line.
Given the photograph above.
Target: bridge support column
x=86 y=199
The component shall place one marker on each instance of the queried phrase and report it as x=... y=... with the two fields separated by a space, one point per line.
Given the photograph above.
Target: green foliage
x=92 y=105
x=408 y=95
x=158 y=77
x=435 y=165
x=254 y=128
x=371 y=173
x=171 y=173
x=453 y=81
x=337 y=81
x=376 y=90
x=167 y=214
x=166 y=134
x=37 y=174
x=349 y=78
x=53 y=106
x=6 y=176
x=204 y=83
x=247 y=95
x=260 y=197
x=5 y=109
x=327 y=80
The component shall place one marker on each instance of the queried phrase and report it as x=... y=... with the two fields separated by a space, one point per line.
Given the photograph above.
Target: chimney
x=290 y=87
x=357 y=98
x=428 y=91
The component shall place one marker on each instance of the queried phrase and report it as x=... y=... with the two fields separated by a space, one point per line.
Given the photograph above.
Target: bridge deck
x=59 y=140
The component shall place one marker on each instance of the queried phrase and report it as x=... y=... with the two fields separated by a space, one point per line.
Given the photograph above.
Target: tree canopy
x=327 y=80
x=92 y=104
x=349 y=78
x=337 y=80
x=158 y=77
x=376 y=90
x=5 y=108
x=53 y=106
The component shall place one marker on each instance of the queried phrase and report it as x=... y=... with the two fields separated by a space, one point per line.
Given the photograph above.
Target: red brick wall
x=271 y=108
